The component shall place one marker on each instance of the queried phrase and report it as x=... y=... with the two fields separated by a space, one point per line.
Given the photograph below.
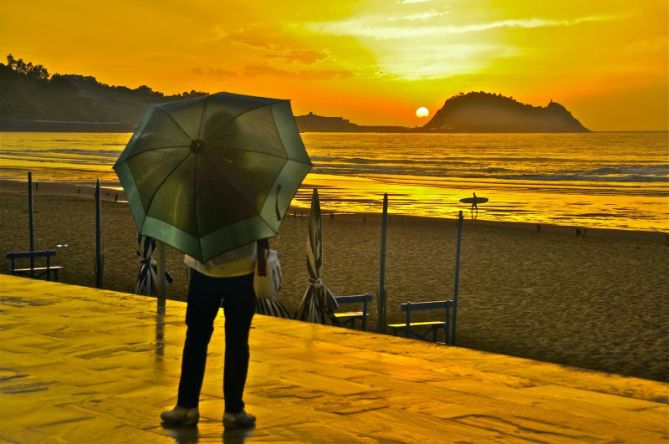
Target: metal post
x=98 y=237
x=30 y=223
x=381 y=303
x=457 y=276
x=160 y=270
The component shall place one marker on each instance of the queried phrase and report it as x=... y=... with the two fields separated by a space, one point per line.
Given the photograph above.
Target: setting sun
x=422 y=112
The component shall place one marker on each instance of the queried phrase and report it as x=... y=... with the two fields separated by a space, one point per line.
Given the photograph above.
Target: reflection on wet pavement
x=86 y=365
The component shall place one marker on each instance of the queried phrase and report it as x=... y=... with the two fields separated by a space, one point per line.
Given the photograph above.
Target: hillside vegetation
x=28 y=93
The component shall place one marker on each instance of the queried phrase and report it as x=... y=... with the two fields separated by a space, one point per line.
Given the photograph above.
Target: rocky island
x=486 y=112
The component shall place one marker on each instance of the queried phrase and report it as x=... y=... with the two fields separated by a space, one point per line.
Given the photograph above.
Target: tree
x=38 y=72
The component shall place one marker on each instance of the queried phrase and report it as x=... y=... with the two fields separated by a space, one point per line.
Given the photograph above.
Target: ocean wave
x=86 y=152
x=502 y=174
x=639 y=170
x=584 y=178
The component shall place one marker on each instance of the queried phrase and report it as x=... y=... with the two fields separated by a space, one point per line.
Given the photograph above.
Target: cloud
x=269 y=43
x=426 y=61
x=382 y=27
x=213 y=72
x=647 y=46
x=272 y=71
x=427 y=15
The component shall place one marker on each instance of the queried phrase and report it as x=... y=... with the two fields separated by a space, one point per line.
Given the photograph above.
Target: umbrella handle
x=263 y=246
x=276 y=202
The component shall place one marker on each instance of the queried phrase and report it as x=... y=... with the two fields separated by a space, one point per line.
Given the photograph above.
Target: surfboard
x=476 y=200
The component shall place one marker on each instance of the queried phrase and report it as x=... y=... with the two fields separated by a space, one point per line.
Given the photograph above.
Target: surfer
x=474 y=201
x=475 y=207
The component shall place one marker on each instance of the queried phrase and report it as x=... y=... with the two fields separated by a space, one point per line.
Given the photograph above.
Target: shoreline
x=116 y=194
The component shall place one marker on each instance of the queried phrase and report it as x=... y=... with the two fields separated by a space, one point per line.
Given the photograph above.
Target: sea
x=617 y=180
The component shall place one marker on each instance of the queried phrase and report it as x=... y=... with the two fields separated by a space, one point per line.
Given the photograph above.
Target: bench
x=421 y=330
x=47 y=270
x=348 y=318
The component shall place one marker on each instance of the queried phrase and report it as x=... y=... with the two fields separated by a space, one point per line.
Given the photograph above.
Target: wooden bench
x=348 y=318
x=421 y=330
x=33 y=271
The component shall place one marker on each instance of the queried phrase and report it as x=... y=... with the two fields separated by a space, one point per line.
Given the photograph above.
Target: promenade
x=83 y=365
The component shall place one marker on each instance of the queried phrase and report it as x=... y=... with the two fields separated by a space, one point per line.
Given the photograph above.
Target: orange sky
x=372 y=61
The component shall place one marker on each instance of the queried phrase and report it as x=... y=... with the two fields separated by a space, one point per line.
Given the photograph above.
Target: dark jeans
x=204 y=299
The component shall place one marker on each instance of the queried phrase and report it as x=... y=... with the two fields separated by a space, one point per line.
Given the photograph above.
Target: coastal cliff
x=486 y=112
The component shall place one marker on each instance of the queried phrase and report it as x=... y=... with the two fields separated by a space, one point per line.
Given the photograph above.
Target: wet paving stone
x=84 y=365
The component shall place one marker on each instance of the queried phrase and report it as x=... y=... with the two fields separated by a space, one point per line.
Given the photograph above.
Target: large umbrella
x=318 y=304
x=210 y=174
x=147 y=278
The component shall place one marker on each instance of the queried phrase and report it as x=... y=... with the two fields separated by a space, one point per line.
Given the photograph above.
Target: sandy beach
x=595 y=300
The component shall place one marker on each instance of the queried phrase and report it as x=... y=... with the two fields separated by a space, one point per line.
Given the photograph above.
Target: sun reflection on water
x=615 y=180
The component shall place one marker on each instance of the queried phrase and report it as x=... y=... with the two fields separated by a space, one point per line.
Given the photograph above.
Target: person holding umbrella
x=210 y=176
x=226 y=279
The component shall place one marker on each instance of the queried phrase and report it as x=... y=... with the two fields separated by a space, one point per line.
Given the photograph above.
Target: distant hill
x=485 y=112
x=312 y=122
x=33 y=100
x=315 y=123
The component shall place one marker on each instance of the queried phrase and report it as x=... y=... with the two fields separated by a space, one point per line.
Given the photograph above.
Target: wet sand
x=595 y=301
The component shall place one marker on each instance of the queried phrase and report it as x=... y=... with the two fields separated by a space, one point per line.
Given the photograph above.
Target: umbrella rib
x=148 y=207
x=197 y=222
x=236 y=116
x=153 y=149
x=258 y=152
x=175 y=122
x=296 y=129
x=204 y=109
x=240 y=195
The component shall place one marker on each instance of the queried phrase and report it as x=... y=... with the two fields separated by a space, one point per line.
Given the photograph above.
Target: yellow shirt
x=238 y=262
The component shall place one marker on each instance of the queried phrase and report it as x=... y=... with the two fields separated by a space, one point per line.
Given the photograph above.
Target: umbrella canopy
x=318 y=304
x=210 y=174
x=147 y=279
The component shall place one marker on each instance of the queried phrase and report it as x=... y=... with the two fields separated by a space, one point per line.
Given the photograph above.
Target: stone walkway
x=83 y=365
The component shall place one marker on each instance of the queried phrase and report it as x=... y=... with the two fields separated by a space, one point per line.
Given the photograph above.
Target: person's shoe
x=241 y=420
x=181 y=416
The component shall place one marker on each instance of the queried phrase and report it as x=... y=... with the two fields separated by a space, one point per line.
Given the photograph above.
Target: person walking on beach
x=475 y=208
x=226 y=279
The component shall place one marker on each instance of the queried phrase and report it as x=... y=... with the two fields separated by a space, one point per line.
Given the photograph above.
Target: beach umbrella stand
x=147 y=279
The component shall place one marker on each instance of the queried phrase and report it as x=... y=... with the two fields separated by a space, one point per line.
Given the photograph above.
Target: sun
x=422 y=112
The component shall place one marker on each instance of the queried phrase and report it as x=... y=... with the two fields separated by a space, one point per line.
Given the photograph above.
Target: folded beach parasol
x=318 y=304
